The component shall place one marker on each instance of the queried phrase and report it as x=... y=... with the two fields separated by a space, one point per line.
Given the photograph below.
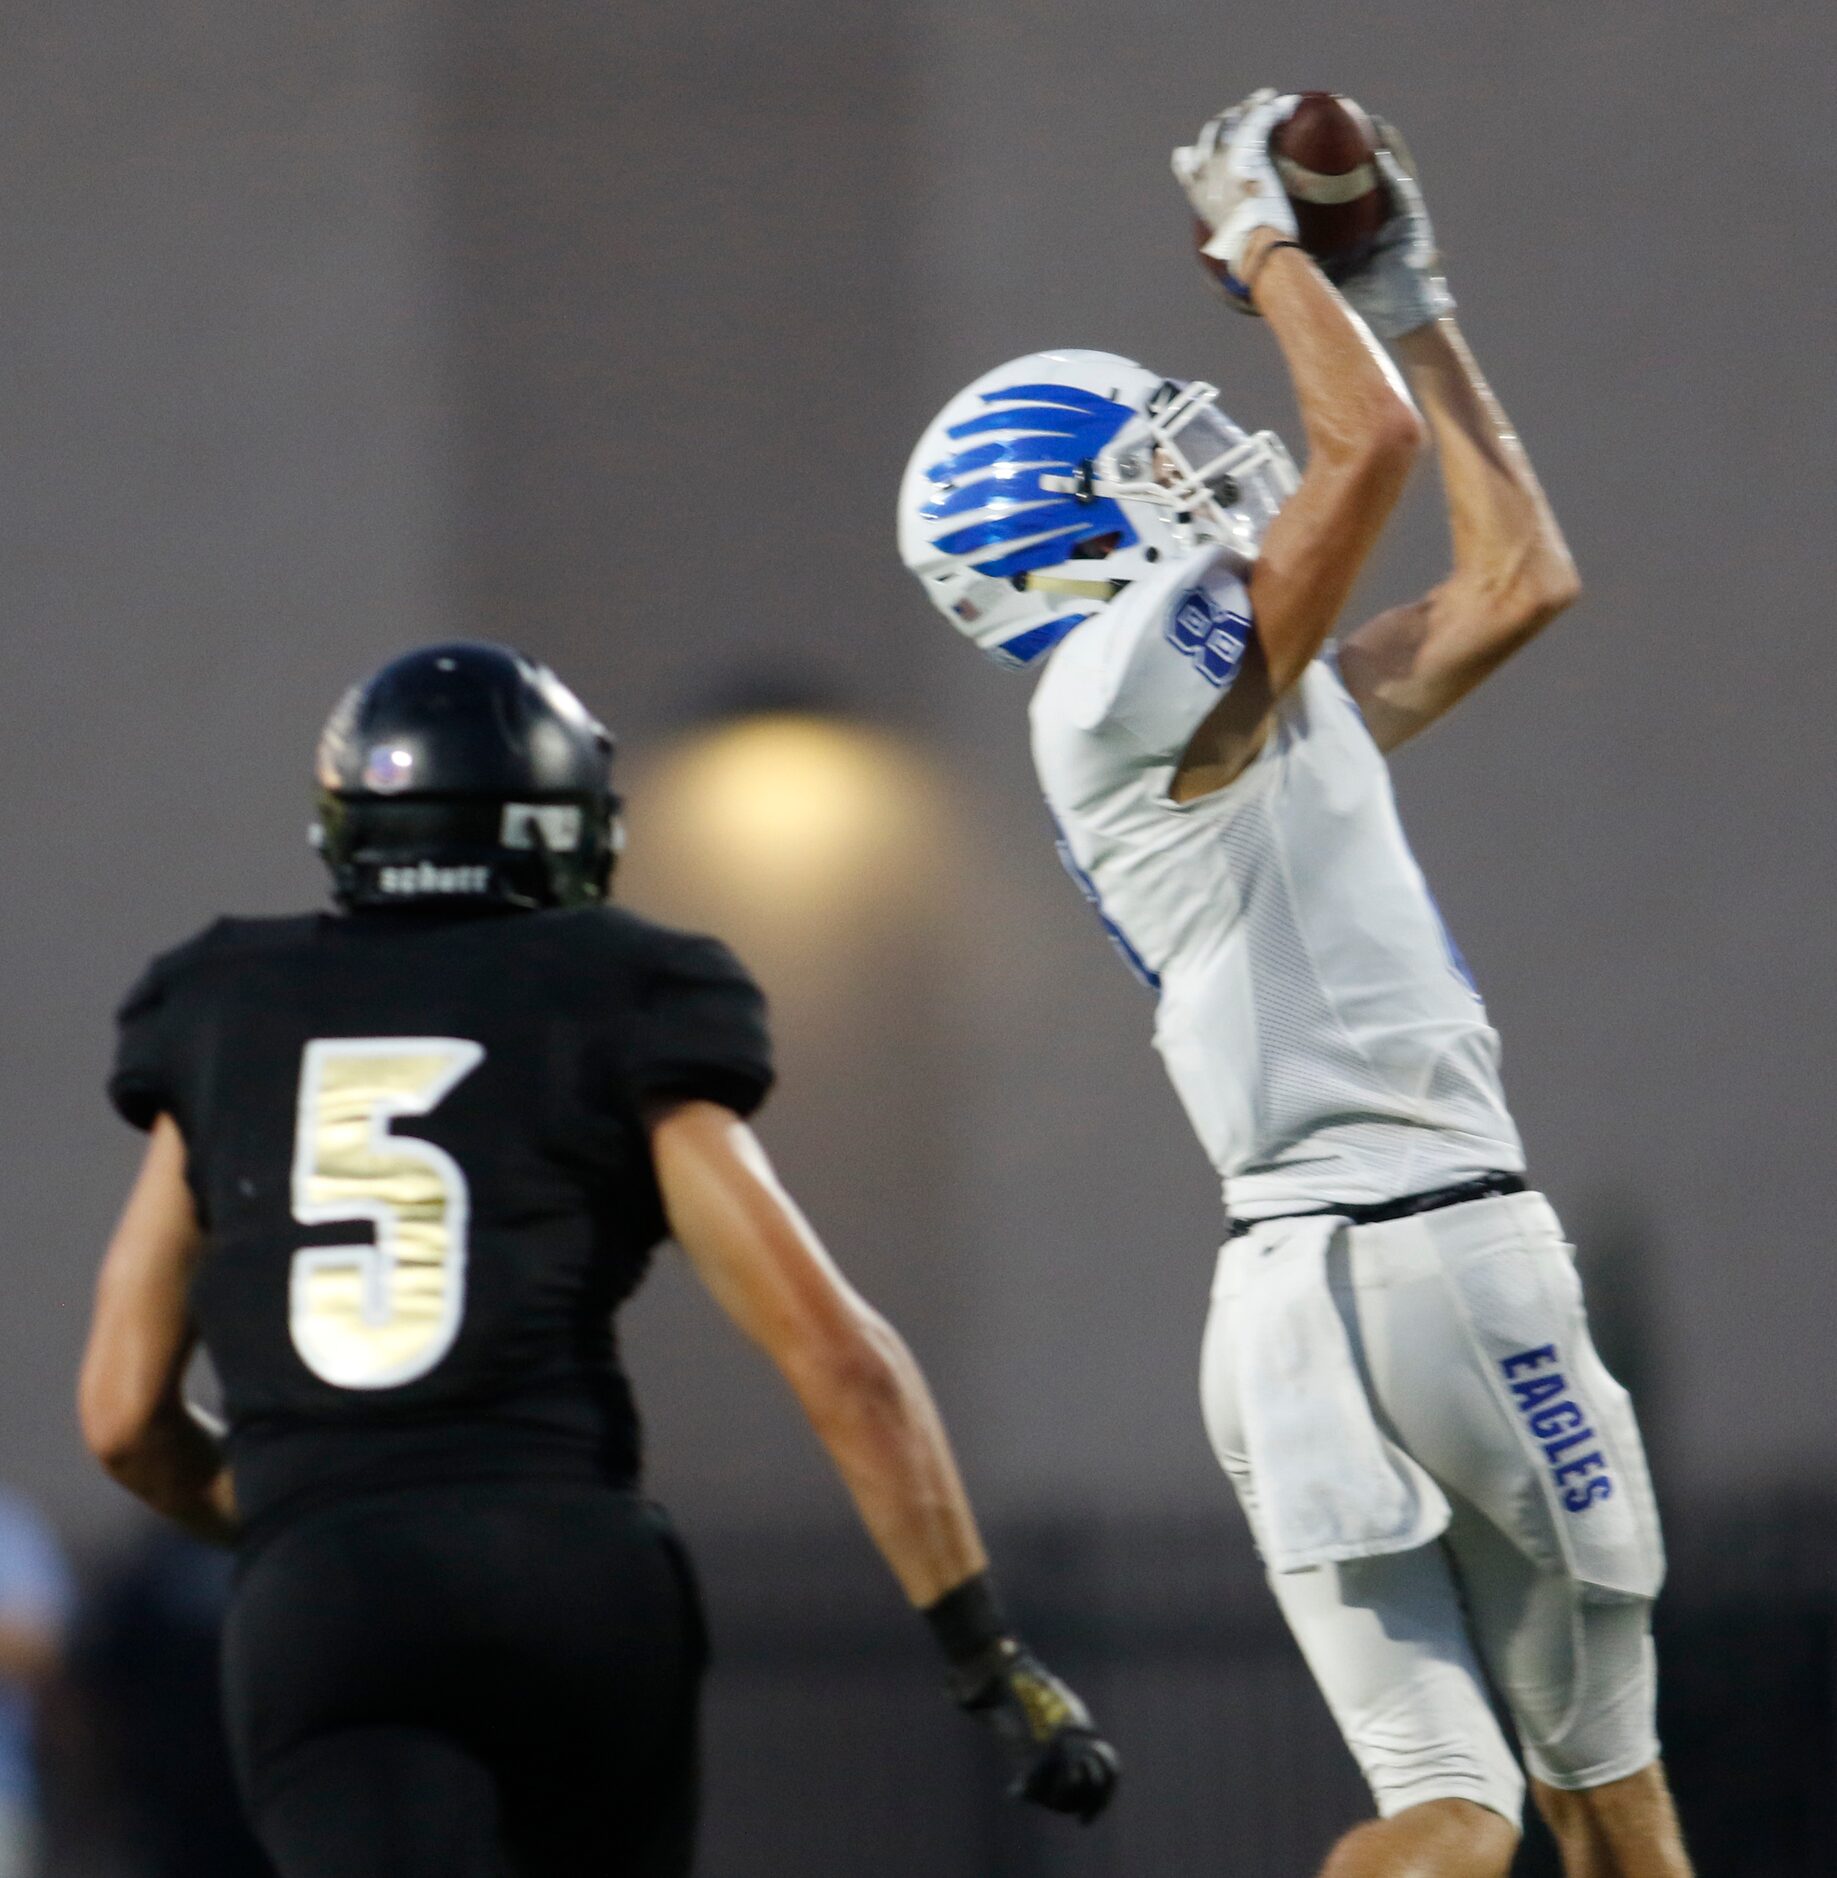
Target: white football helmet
x=1026 y=477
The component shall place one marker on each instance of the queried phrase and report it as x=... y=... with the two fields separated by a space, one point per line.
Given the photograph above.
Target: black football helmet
x=466 y=773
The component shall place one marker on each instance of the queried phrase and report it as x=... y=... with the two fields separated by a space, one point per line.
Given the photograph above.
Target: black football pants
x=469 y=1682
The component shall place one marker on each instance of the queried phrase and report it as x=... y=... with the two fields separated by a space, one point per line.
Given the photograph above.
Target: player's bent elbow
x=116 y=1419
x=1400 y=436
x=114 y=1437
x=1379 y=458
x=1559 y=588
x=1384 y=434
x=1537 y=597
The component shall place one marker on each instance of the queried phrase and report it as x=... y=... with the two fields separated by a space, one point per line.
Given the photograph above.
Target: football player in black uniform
x=405 y=1163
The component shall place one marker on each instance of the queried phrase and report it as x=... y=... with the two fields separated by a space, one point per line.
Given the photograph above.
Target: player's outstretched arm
x=1511 y=574
x=1363 y=436
x=129 y=1396
x=869 y=1404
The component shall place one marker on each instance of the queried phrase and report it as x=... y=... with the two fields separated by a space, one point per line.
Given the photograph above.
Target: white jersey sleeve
x=1150 y=672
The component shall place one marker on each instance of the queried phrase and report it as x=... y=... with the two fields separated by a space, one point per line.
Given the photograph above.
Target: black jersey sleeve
x=699 y=1031
x=141 y=1083
x=151 y=1046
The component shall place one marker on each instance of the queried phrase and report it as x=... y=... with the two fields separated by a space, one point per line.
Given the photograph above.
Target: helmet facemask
x=1216 y=483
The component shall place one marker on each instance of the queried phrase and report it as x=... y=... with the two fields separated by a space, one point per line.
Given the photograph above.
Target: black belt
x=1371 y=1213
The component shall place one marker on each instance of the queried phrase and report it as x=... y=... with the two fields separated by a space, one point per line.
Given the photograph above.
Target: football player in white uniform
x=1446 y=1486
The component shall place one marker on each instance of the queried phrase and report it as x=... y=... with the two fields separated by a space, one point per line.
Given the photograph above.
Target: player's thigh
x=601 y=1696
x=1387 y=1642
x=609 y=1808
x=1473 y=1325
x=1577 y=1671
x=1483 y=1364
x=1385 y=1638
x=601 y=1822
x=321 y=1637
x=379 y=1802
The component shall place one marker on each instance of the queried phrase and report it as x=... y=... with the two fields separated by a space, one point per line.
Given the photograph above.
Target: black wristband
x=1282 y=241
x=968 y=1622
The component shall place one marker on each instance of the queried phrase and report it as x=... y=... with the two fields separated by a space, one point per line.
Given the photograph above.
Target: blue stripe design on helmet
x=1039 y=450
x=1044 y=419
x=1052 y=429
x=1073 y=395
x=1036 y=641
x=991 y=491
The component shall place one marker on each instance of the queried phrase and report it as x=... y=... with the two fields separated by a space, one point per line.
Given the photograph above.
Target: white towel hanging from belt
x=1330 y=1486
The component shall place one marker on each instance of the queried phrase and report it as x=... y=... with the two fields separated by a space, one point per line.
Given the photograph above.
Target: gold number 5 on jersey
x=372 y=1316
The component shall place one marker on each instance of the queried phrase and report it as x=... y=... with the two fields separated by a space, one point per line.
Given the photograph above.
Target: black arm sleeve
x=140 y=1085
x=699 y=1031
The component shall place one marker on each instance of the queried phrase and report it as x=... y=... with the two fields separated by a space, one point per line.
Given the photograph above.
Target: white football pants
x=1468 y=1332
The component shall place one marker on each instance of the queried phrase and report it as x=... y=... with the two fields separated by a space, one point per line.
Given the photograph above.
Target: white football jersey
x=1315 y=1017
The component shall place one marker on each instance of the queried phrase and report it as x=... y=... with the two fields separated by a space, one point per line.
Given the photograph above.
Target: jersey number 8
x=371 y=1316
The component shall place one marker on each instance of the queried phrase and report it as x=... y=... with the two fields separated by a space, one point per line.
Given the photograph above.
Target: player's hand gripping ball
x=1059 y=1759
x=1394 y=283
x=1315 y=169
x=1230 y=179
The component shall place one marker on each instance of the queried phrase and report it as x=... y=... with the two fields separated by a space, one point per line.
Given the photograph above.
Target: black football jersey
x=416 y=1146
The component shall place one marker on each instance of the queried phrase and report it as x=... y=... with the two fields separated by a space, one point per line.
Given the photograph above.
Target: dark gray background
x=332 y=328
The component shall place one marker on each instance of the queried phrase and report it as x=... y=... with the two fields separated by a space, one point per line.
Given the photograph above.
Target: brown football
x=1323 y=155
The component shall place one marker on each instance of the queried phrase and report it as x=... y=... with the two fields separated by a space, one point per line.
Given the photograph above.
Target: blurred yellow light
x=788 y=815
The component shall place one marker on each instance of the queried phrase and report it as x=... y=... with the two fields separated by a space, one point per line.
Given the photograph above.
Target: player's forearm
x=1353 y=405
x=1363 y=436
x=875 y=1415
x=1507 y=546
x=855 y=1378
x=1511 y=573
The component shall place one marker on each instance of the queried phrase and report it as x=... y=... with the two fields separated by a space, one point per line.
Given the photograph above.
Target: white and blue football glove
x=1231 y=181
